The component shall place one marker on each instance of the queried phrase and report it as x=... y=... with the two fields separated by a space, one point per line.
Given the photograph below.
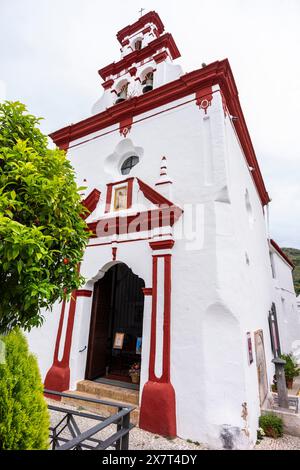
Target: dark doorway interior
x=116 y=325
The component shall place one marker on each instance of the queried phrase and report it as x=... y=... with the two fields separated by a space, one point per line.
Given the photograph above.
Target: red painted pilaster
x=158 y=405
x=58 y=376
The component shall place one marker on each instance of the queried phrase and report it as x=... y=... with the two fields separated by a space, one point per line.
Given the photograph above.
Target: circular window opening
x=128 y=164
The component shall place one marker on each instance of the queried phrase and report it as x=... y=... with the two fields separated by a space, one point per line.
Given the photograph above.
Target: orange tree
x=42 y=236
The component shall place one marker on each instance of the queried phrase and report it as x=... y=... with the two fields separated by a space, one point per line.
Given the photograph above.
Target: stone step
x=109 y=392
x=103 y=410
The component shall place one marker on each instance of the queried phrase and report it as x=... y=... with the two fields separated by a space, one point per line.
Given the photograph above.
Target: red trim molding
x=281 y=253
x=108 y=84
x=140 y=222
x=158 y=404
x=160 y=57
x=109 y=191
x=125 y=126
x=58 y=376
x=162 y=42
x=147 y=290
x=108 y=198
x=132 y=71
x=90 y=202
x=84 y=293
x=204 y=98
x=146 y=30
x=162 y=244
x=216 y=73
x=152 y=195
x=150 y=17
x=114 y=253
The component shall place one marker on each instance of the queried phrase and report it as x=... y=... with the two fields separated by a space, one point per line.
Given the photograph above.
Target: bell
x=148 y=86
x=119 y=100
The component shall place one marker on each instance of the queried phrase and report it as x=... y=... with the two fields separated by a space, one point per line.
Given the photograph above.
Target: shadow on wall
x=224 y=379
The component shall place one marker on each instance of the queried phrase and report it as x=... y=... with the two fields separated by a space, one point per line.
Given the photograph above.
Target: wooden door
x=261 y=366
x=96 y=360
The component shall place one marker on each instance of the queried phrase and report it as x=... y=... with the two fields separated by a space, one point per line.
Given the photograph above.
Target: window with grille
x=128 y=164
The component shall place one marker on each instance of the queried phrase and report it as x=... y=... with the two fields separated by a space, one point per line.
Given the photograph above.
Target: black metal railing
x=67 y=435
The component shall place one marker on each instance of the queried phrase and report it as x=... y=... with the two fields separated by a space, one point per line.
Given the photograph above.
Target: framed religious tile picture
x=120 y=199
x=138 y=346
x=118 y=341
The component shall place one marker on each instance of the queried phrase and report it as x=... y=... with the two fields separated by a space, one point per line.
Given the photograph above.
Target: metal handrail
x=92 y=400
x=118 y=439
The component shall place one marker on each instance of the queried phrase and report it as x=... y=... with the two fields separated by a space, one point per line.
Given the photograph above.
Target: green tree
x=294 y=255
x=42 y=236
x=24 y=418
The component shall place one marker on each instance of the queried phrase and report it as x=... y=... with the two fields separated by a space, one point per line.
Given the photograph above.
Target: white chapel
x=187 y=298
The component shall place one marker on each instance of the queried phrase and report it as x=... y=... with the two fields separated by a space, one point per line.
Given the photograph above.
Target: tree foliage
x=294 y=255
x=24 y=418
x=42 y=236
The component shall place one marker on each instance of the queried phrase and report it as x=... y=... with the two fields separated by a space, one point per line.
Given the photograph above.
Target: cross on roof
x=141 y=11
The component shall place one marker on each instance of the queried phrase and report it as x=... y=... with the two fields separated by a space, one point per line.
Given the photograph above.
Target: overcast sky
x=50 y=51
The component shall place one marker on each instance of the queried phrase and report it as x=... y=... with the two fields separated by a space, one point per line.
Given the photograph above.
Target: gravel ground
x=143 y=440
x=138 y=440
x=283 y=443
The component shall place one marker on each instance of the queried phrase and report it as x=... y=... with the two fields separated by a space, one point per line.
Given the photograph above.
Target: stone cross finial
x=141 y=11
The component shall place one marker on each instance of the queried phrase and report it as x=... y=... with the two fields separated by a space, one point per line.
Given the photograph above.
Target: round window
x=128 y=164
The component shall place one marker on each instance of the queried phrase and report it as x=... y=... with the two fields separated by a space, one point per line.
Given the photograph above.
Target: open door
x=117 y=312
x=96 y=360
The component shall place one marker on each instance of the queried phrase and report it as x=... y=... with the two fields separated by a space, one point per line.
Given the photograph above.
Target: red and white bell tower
x=147 y=55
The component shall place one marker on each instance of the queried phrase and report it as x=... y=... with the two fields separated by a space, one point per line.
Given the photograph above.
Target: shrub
x=24 y=419
x=260 y=435
x=291 y=368
x=271 y=425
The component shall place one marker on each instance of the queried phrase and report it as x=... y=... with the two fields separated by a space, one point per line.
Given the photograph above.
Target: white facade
x=222 y=284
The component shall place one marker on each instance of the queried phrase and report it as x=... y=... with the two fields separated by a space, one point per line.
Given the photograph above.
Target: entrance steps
x=111 y=393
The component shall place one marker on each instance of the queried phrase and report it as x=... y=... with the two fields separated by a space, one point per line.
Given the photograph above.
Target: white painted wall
x=42 y=340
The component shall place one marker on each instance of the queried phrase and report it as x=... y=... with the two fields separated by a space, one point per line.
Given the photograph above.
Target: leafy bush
x=291 y=368
x=271 y=425
x=42 y=233
x=260 y=435
x=24 y=418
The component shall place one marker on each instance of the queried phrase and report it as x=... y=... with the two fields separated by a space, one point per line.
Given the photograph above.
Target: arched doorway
x=116 y=325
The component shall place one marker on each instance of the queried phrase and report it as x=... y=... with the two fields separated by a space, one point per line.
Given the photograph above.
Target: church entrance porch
x=115 y=339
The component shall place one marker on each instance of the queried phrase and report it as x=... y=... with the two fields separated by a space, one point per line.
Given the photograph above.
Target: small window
x=128 y=164
x=138 y=45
